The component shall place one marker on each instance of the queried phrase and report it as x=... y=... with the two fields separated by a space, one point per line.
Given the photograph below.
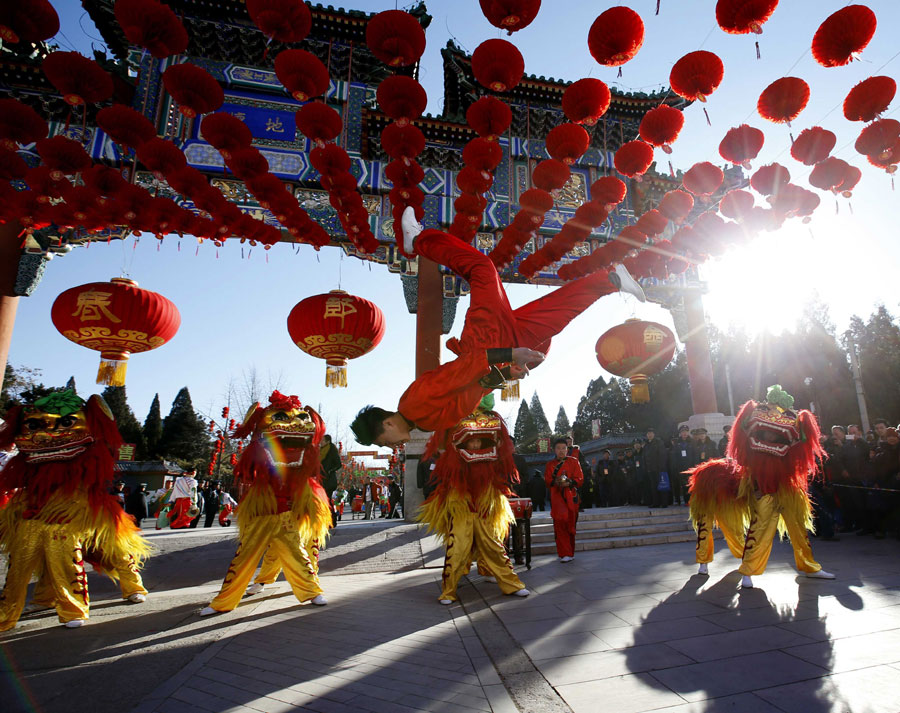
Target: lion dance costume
x=60 y=513
x=284 y=513
x=469 y=508
x=760 y=487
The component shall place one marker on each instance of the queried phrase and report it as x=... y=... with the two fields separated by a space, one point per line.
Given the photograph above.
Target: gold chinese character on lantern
x=94 y=305
x=275 y=125
x=339 y=307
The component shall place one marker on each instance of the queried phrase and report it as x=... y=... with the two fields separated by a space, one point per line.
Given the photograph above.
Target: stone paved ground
x=620 y=630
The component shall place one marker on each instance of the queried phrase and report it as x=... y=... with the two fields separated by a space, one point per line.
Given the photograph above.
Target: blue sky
x=234 y=306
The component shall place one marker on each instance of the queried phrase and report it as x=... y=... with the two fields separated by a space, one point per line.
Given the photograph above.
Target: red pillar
x=10 y=252
x=700 y=371
x=429 y=317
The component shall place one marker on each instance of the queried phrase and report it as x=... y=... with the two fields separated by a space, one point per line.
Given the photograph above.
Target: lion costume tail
x=719 y=494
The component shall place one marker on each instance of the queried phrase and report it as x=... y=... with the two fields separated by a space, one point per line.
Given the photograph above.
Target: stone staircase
x=604 y=528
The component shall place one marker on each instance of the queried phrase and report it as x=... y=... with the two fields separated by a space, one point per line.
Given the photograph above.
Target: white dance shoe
x=410 y=228
x=255 y=588
x=622 y=279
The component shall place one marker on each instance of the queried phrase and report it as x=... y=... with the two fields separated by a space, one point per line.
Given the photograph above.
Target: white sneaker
x=703 y=569
x=445 y=602
x=137 y=598
x=821 y=574
x=74 y=624
x=488 y=578
x=521 y=593
x=566 y=559
x=319 y=600
x=626 y=283
x=255 y=588
x=32 y=607
x=746 y=582
x=206 y=611
x=410 y=228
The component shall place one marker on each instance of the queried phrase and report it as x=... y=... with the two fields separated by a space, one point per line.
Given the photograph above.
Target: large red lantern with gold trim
x=636 y=350
x=336 y=326
x=117 y=319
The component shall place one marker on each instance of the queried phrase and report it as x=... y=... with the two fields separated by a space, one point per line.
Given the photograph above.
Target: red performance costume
x=440 y=398
x=563 y=478
x=760 y=487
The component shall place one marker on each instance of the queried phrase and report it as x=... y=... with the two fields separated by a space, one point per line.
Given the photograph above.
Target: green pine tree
x=185 y=435
x=562 y=427
x=130 y=428
x=540 y=418
x=525 y=431
x=153 y=428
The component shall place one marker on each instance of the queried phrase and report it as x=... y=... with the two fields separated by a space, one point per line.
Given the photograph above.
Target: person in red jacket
x=497 y=342
x=564 y=477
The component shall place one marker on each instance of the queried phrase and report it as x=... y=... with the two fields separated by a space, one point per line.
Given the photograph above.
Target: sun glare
x=766 y=285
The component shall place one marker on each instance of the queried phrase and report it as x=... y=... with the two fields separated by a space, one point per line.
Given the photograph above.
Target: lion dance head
x=64 y=444
x=778 y=444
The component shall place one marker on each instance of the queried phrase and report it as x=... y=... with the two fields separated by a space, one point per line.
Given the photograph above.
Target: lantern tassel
x=708 y=122
x=112 y=371
x=336 y=376
x=758 y=55
x=510 y=390
x=640 y=390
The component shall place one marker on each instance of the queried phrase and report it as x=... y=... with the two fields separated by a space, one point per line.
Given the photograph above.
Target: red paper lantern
x=676 y=205
x=225 y=132
x=194 y=89
x=510 y=15
x=609 y=191
x=652 y=223
x=336 y=327
x=151 y=25
x=878 y=138
x=738 y=17
x=616 y=36
x=19 y=124
x=161 y=157
x=498 y=65
x=887 y=160
x=286 y=21
x=843 y=35
x=661 y=126
x=319 y=122
x=741 y=145
x=536 y=201
x=703 y=179
x=302 y=74
x=736 y=204
x=482 y=154
x=80 y=80
x=851 y=178
x=395 y=37
x=768 y=179
x=117 y=319
x=813 y=145
x=869 y=98
x=550 y=175
x=402 y=142
x=63 y=156
x=567 y=142
x=636 y=350
x=829 y=174
x=403 y=174
x=331 y=159
x=783 y=100
x=697 y=75
x=489 y=117
x=401 y=98
x=27 y=21
x=12 y=166
x=125 y=126
x=586 y=100
x=247 y=163
x=633 y=158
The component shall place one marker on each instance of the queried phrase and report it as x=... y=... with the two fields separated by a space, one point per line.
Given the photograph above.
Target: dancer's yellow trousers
x=56 y=550
x=278 y=534
x=470 y=538
x=126 y=570
x=764 y=514
x=271 y=566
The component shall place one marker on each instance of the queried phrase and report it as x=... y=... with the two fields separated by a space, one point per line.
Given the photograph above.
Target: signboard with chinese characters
x=543 y=445
x=595 y=428
x=263 y=122
x=126 y=451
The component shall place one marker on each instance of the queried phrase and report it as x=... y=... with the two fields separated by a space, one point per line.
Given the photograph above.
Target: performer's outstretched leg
x=758 y=542
x=255 y=538
x=492 y=555
x=130 y=582
x=25 y=556
x=64 y=567
x=457 y=556
x=298 y=568
x=269 y=569
x=794 y=507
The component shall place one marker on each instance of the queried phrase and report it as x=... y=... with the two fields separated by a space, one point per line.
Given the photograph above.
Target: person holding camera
x=564 y=477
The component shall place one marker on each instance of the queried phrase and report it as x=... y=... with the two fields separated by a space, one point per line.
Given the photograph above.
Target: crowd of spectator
x=858 y=486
